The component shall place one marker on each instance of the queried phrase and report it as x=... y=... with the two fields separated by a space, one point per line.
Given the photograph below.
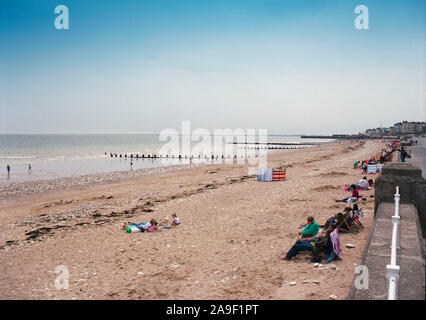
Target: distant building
x=408 y=127
x=399 y=128
x=413 y=127
x=374 y=132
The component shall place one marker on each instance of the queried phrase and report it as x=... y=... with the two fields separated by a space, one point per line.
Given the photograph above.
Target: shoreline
x=14 y=189
x=25 y=188
x=233 y=231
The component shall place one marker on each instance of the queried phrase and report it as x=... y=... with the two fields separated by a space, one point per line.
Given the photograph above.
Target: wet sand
x=233 y=231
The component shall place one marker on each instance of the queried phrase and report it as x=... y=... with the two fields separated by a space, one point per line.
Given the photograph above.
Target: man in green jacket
x=311 y=229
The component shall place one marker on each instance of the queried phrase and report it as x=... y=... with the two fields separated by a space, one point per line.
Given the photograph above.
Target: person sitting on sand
x=153 y=225
x=164 y=225
x=311 y=229
x=313 y=244
x=176 y=221
x=356 y=164
x=332 y=245
x=165 y=222
x=348 y=213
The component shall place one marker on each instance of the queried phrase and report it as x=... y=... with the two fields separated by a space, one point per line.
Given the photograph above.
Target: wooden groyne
x=243 y=145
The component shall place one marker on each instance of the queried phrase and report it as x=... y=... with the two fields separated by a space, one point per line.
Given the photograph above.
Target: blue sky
x=141 y=66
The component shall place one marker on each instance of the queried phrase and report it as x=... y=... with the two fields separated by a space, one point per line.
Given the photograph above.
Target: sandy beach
x=233 y=231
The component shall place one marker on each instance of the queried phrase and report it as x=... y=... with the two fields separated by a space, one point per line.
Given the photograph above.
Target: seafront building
x=399 y=128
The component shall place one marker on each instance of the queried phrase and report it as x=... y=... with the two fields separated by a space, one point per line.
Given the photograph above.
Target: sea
x=64 y=155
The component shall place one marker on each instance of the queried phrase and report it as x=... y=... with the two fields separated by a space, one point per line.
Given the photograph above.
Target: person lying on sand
x=362 y=184
x=143 y=226
x=311 y=228
x=128 y=227
x=355 y=196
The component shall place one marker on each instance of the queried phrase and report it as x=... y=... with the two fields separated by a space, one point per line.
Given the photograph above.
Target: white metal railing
x=393 y=268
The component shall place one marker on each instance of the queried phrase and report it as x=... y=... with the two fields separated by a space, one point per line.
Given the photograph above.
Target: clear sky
x=292 y=67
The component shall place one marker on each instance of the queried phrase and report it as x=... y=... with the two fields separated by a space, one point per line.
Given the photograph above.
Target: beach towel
x=335 y=240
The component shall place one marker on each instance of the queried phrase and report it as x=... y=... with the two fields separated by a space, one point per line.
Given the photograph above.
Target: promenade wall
x=411 y=255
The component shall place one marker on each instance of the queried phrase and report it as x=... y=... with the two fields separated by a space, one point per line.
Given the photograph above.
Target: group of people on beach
x=386 y=155
x=362 y=184
x=8 y=168
x=379 y=159
x=316 y=240
x=152 y=225
x=327 y=239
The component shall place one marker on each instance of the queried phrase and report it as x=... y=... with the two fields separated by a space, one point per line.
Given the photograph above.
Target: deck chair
x=354 y=222
x=343 y=223
x=318 y=251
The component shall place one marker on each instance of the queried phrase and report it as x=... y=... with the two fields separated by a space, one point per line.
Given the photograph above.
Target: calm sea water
x=53 y=156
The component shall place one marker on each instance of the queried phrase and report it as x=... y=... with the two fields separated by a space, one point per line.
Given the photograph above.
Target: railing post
x=397 y=198
x=396 y=221
x=393 y=278
x=396 y=218
x=393 y=269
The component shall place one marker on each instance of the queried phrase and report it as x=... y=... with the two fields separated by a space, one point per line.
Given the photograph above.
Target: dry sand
x=233 y=232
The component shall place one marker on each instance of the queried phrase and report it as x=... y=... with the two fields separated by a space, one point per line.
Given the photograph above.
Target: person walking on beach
x=8 y=171
x=404 y=154
x=364 y=167
x=29 y=168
